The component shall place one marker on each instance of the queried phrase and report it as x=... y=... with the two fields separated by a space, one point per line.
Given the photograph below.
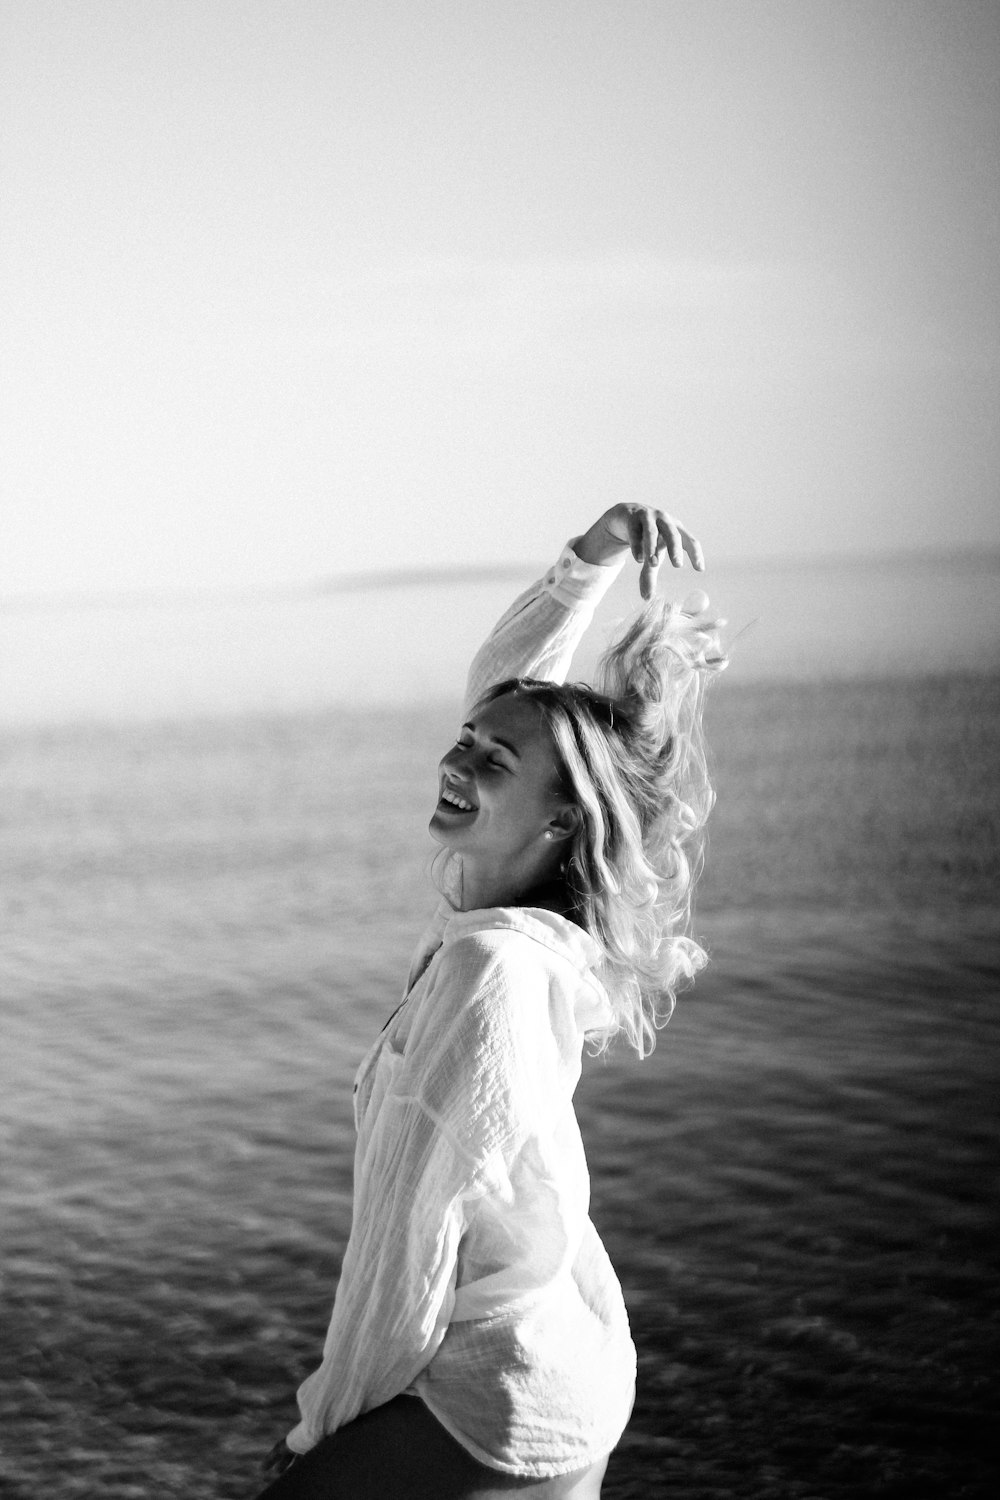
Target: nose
x=456 y=763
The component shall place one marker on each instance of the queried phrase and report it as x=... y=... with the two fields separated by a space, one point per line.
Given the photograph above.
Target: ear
x=564 y=824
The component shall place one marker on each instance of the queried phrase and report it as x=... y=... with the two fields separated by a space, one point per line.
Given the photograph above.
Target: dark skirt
x=400 y=1451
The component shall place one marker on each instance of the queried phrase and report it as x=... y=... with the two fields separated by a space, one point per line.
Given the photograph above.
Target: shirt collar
x=546 y=927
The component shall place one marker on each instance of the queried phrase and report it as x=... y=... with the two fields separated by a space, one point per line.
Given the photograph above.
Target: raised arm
x=537 y=636
x=647 y=534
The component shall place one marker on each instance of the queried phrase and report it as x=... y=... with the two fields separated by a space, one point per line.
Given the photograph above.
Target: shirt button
x=565 y=562
x=551 y=578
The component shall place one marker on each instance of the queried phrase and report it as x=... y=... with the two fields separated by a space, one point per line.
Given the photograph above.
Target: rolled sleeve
x=538 y=634
x=573 y=582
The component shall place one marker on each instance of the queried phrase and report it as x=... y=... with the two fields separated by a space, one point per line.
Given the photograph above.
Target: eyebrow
x=496 y=740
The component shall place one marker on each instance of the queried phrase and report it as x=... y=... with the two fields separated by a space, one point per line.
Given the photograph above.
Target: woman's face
x=499 y=788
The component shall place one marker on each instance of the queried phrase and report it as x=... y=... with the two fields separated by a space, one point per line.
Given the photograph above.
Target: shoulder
x=498 y=927
x=526 y=945
x=489 y=1036
x=496 y=947
x=491 y=973
x=519 y=967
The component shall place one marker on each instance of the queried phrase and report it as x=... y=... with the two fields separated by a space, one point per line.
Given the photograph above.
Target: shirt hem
x=489 y=1461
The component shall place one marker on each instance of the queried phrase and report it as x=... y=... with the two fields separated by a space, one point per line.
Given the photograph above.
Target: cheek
x=533 y=802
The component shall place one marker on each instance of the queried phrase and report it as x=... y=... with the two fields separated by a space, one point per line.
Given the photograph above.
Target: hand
x=280 y=1458
x=648 y=533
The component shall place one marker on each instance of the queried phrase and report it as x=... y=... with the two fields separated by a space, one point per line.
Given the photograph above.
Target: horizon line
x=435 y=575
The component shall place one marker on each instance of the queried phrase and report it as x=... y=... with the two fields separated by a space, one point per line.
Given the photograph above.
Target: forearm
x=397 y=1279
x=538 y=635
x=367 y=1361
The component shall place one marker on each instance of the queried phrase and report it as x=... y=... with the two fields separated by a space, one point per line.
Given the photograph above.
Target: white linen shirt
x=473 y=1276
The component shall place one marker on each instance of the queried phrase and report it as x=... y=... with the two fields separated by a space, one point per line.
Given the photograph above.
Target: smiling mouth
x=454 y=802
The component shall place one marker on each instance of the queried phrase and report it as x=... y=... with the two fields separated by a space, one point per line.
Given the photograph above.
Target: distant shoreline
x=984 y=559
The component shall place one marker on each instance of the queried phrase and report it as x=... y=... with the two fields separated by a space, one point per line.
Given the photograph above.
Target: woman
x=479 y=1343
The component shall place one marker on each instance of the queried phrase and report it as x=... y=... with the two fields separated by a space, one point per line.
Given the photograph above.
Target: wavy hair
x=631 y=756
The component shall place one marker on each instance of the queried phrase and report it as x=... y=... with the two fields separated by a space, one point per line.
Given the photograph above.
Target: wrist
x=601 y=545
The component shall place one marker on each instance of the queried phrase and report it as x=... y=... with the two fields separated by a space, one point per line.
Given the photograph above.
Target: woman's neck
x=548 y=892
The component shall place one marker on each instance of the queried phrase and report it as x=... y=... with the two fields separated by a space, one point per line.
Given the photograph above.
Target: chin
x=439 y=830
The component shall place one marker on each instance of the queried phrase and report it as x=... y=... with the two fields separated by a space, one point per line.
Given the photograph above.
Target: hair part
x=632 y=759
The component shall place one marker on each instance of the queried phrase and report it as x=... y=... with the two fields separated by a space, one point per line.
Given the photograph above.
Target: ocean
x=205 y=918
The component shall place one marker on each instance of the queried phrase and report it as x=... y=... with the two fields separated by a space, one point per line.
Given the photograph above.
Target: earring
x=548 y=833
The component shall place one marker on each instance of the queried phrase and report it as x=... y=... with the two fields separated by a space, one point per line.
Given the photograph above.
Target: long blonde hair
x=632 y=758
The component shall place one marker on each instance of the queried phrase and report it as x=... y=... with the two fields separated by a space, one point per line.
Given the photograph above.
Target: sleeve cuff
x=573 y=582
x=299 y=1441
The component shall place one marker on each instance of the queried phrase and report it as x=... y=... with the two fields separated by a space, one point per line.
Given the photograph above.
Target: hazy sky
x=305 y=286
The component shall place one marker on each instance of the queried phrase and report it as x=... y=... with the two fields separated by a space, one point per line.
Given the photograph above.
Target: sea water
x=205 y=921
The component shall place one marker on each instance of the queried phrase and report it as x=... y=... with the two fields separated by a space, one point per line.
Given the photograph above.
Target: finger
x=650 y=535
x=278 y=1458
x=670 y=533
x=650 y=557
x=647 y=577
x=692 y=547
x=637 y=535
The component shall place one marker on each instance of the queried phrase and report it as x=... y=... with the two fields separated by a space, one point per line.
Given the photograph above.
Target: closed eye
x=499 y=764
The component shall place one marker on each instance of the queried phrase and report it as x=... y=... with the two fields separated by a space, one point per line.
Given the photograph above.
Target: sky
x=311 y=287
